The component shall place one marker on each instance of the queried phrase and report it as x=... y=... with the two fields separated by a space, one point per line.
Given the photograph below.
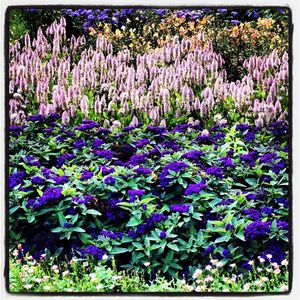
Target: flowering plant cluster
x=38 y=276
x=173 y=198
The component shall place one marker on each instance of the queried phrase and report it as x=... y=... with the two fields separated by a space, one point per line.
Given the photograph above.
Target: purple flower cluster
x=93 y=250
x=133 y=194
x=194 y=188
x=175 y=167
x=181 y=208
x=50 y=194
x=16 y=178
x=257 y=230
x=216 y=171
x=104 y=153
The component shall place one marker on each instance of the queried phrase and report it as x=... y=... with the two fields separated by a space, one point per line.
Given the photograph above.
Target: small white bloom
x=65 y=273
x=189 y=288
x=197 y=273
x=259 y=270
x=104 y=257
x=99 y=287
x=30 y=257
x=208 y=268
x=37 y=280
x=284 y=288
x=251 y=262
x=261 y=260
x=198 y=289
x=214 y=261
x=43 y=256
x=56 y=271
x=85 y=263
x=209 y=278
x=275 y=265
x=220 y=264
x=265 y=279
x=232 y=265
x=28 y=286
x=269 y=256
x=31 y=270
x=116 y=277
x=146 y=264
x=277 y=271
x=25 y=267
x=246 y=287
x=284 y=263
x=15 y=252
x=258 y=283
x=54 y=267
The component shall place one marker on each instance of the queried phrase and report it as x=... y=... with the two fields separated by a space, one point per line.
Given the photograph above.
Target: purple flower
x=141 y=143
x=36 y=118
x=137 y=159
x=252 y=213
x=226 y=202
x=282 y=225
x=226 y=253
x=229 y=226
x=193 y=155
x=97 y=143
x=227 y=161
x=37 y=180
x=68 y=225
x=156 y=130
x=85 y=175
x=163 y=234
x=142 y=171
x=249 y=158
x=257 y=230
x=135 y=193
x=235 y=22
x=16 y=178
x=216 y=171
x=267 y=210
x=175 y=167
x=250 y=136
x=109 y=180
x=194 y=188
x=209 y=250
x=283 y=201
x=79 y=144
x=268 y=158
x=104 y=153
x=106 y=171
x=181 y=208
x=32 y=161
x=61 y=179
x=251 y=197
x=94 y=251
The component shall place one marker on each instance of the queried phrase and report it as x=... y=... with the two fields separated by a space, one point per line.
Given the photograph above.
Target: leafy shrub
x=171 y=198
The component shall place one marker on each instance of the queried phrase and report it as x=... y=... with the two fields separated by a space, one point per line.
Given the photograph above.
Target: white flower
x=65 y=273
x=284 y=288
x=54 y=267
x=85 y=263
x=15 y=252
x=220 y=264
x=232 y=265
x=197 y=273
x=269 y=256
x=28 y=286
x=275 y=265
x=116 y=277
x=99 y=287
x=258 y=283
x=262 y=260
x=37 y=280
x=209 y=278
x=31 y=270
x=104 y=257
x=251 y=262
x=208 y=268
x=198 y=289
x=25 y=267
x=189 y=288
x=214 y=261
x=246 y=287
x=277 y=271
x=43 y=256
x=146 y=264
x=259 y=270
x=30 y=257
x=265 y=279
x=284 y=263
x=56 y=271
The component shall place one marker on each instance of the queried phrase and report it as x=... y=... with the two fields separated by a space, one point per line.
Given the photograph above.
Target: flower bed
x=169 y=197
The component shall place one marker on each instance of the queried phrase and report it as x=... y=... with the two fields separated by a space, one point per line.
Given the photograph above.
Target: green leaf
x=61 y=219
x=31 y=218
x=118 y=250
x=57 y=229
x=173 y=247
x=39 y=192
x=134 y=222
x=13 y=209
x=93 y=212
x=77 y=229
x=240 y=235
